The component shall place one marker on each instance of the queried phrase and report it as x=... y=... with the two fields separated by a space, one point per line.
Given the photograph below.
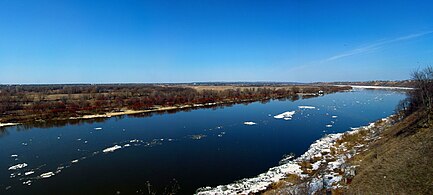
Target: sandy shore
x=126 y=112
x=8 y=124
x=376 y=87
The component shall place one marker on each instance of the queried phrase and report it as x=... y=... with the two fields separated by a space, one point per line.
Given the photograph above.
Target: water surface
x=185 y=150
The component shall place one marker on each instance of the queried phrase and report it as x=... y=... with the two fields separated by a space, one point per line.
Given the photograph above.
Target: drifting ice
x=111 y=149
x=46 y=175
x=249 y=123
x=29 y=173
x=285 y=115
x=18 y=166
x=306 y=107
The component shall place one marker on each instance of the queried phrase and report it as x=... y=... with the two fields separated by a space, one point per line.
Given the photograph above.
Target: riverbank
x=377 y=87
x=323 y=166
x=110 y=111
x=8 y=124
x=390 y=156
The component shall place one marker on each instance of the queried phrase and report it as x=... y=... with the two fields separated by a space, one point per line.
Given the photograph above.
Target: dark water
x=166 y=154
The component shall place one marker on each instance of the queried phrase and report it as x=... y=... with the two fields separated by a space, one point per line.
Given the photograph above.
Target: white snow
x=319 y=149
x=316 y=165
x=249 y=123
x=111 y=149
x=18 y=166
x=262 y=181
x=285 y=115
x=306 y=107
x=47 y=175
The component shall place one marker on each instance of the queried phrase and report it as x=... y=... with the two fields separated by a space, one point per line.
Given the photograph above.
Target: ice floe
x=112 y=149
x=18 y=166
x=197 y=137
x=28 y=182
x=285 y=115
x=320 y=149
x=14 y=155
x=46 y=175
x=306 y=107
x=334 y=116
x=29 y=173
x=249 y=123
x=98 y=128
x=329 y=126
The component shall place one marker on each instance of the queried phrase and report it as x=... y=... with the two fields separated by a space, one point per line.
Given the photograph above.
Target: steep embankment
x=399 y=163
x=387 y=157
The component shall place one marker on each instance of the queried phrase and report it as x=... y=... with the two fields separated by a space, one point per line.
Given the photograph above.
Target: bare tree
x=422 y=96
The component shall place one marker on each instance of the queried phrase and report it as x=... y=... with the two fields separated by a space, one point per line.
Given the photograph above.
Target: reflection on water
x=179 y=151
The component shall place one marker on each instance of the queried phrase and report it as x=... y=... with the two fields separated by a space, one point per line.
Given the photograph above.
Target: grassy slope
x=399 y=163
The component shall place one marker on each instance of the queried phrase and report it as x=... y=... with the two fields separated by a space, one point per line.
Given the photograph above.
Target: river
x=179 y=151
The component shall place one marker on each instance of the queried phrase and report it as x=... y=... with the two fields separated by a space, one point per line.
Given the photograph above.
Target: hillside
x=390 y=156
x=399 y=163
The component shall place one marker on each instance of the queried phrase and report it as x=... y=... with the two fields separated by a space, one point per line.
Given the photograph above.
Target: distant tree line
x=30 y=102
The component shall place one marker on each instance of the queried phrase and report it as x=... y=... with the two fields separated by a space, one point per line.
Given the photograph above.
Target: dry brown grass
x=276 y=188
x=351 y=140
x=399 y=163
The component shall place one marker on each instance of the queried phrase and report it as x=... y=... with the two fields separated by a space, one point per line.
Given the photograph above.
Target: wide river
x=183 y=150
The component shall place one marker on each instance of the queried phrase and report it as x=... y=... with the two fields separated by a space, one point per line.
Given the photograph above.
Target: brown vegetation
x=396 y=156
x=25 y=103
x=401 y=161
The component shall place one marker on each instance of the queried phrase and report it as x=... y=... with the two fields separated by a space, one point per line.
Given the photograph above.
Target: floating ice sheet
x=112 y=149
x=306 y=107
x=18 y=166
x=249 y=123
x=285 y=115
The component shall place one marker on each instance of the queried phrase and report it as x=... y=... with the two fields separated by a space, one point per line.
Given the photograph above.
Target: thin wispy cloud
x=374 y=46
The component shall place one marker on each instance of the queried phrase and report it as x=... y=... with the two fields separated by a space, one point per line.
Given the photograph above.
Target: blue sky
x=212 y=40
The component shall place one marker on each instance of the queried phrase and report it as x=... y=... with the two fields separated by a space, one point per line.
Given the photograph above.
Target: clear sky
x=107 y=41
